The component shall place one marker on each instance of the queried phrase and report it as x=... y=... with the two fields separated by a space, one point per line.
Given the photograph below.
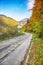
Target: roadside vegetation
x=35 y=27
x=36 y=52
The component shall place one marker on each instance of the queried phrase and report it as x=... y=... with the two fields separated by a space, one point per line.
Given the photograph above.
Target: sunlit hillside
x=8 y=27
x=9 y=20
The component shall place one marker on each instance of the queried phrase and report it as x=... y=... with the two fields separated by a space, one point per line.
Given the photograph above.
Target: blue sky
x=16 y=9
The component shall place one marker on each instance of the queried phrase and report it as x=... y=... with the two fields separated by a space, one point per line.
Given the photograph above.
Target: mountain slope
x=36 y=21
x=25 y=20
x=8 y=27
x=8 y=20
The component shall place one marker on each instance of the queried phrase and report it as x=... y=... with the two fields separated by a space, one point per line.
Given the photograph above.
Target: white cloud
x=30 y=4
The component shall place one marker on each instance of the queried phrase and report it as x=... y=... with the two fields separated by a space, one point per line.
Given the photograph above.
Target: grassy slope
x=8 y=28
x=36 y=53
x=8 y=20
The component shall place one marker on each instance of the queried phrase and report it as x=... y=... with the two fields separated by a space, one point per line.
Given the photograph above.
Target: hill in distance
x=25 y=20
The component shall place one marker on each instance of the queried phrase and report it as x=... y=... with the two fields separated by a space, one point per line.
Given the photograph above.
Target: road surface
x=12 y=52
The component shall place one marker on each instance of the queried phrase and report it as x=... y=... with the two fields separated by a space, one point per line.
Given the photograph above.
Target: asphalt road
x=12 y=52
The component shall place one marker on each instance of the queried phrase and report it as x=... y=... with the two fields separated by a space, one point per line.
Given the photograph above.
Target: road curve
x=17 y=56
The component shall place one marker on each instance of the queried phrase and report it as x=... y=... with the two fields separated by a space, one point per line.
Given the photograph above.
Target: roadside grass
x=36 y=52
x=15 y=35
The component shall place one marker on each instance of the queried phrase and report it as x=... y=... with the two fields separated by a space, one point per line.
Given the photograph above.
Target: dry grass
x=36 y=53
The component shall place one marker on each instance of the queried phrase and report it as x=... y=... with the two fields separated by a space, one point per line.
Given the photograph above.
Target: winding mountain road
x=12 y=52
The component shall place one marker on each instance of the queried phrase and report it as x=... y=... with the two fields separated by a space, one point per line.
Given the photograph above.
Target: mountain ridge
x=9 y=20
x=25 y=20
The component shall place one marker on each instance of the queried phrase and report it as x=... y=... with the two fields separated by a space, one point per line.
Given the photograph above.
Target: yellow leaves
x=36 y=63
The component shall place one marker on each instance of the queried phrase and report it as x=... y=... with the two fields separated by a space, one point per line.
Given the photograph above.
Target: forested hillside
x=35 y=24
